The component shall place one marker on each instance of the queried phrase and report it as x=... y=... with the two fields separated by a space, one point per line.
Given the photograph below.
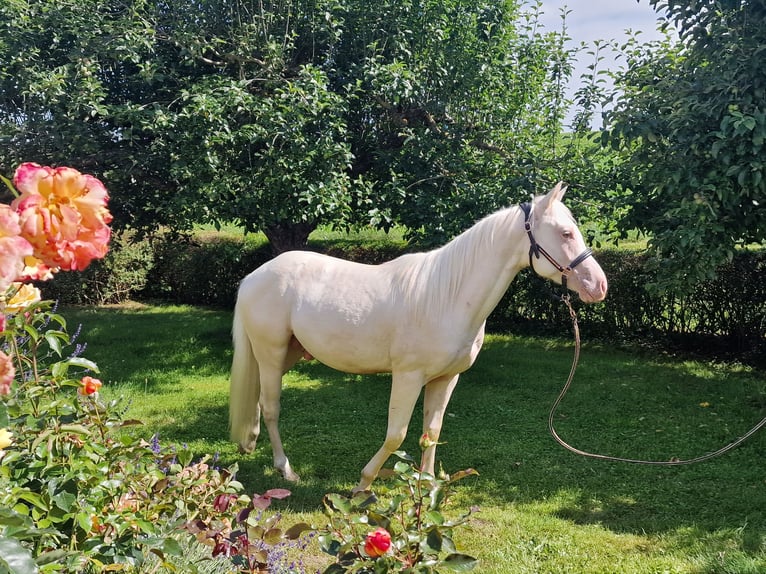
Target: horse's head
x=557 y=248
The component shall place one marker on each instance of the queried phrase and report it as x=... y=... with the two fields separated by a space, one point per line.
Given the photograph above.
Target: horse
x=420 y=317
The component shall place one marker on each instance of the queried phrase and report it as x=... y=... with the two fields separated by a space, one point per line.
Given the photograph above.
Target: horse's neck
x=471 y=273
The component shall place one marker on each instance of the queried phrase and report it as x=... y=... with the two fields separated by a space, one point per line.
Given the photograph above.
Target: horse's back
x=326 y=303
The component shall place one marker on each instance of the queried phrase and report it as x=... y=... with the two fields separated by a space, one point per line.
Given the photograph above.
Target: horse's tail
x=245 y=388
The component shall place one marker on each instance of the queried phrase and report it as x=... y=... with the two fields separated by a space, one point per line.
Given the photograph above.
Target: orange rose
x=64 y=215
x=13 y=247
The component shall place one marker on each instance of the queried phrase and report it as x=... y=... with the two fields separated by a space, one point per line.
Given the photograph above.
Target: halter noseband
x=536 y=249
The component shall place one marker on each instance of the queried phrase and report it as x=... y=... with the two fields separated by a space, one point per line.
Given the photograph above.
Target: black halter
x=536 y=249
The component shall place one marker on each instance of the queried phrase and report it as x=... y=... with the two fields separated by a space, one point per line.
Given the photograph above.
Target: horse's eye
x=567 y=234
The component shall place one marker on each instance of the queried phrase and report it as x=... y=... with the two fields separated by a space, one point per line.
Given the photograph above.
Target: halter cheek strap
x=535 y=249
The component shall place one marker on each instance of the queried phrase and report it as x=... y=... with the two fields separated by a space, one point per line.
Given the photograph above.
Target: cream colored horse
x=420 y=317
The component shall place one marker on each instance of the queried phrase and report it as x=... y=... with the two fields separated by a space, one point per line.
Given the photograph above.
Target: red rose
x=377 y=543
x=89 y=386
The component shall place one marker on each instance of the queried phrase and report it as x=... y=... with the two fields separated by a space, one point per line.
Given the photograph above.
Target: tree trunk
x=288 y=236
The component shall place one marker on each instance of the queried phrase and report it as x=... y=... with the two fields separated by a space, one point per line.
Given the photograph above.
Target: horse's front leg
x=405 y=389
x=436 y=398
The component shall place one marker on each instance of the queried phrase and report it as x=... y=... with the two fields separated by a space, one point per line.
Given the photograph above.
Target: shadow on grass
x=139 y=345
x=332 y=423
x=622 y=404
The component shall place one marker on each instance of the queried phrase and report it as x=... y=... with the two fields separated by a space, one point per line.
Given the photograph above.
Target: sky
x=591 y=20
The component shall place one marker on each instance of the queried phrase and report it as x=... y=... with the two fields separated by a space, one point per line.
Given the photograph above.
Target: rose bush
x=407 y=531
x=78 y=492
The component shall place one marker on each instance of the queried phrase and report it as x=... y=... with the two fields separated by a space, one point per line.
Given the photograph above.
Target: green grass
x=543 y=510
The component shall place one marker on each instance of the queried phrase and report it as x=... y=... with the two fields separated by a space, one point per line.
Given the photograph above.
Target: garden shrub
x=726 y=316
x=78 y=492
x=728 y=313
x=406 y=531
x=203 y=269
x=119 y=276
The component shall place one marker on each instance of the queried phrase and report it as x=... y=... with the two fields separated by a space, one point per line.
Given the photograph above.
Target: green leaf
x=459 y=563
x=50 y=557
x=296 y=530
x=273 y=536
x=9 y=185
x=339 y=503
x=172 y=547
x=362 y=500
x=434 y=539
x=76 y=429
x=404 y=456
x=54 y=341
x=185 y=456
x=329 y=545
x=34 y=499
x=64 y=500
x=81 y=362
x=434 y=517
x=17 y=559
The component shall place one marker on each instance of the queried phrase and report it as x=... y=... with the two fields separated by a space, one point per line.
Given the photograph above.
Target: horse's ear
x=554 y=195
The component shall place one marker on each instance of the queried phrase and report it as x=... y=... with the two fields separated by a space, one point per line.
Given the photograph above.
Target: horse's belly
x=349 y=355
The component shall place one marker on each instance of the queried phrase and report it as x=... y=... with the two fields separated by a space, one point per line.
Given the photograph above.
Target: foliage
x=205 y=268
x=406 y=533
x=465 y=100
x=724 y=318
x=273 y=159
x=691 y=122
x=255 y=543
x=285 y=115
x=77 y=490
x=118 y=277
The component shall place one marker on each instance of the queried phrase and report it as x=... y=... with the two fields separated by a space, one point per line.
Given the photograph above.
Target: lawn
x=542 y=509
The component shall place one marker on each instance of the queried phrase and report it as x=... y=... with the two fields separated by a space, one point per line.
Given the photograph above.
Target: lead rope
x=671 y=462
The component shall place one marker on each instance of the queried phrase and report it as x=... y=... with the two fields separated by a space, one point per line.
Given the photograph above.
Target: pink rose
x=7 y=372
x=13 y=248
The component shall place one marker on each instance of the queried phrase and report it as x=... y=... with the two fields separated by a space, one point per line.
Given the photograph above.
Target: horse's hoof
x=290 y=476
x=363 y=486
x=287 y=472
x=358 y=490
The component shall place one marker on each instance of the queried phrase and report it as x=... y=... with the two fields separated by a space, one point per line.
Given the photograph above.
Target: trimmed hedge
x=725 y=317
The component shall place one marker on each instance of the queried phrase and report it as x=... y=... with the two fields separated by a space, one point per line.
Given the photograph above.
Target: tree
x=192 y=111
x=691 y=122
x=458 y=107
x=288 y=114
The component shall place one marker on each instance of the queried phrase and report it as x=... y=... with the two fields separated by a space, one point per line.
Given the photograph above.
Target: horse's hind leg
x=271 y=392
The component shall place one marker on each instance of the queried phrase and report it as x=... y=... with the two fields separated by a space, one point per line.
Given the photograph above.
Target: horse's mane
x=430 y=281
